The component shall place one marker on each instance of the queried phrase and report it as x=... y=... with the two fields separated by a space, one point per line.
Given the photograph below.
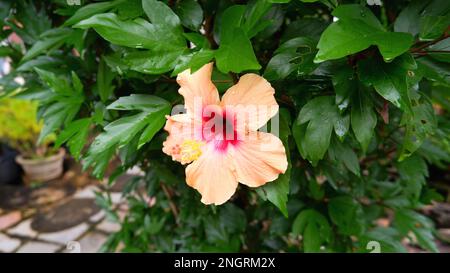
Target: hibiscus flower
x=219 y=139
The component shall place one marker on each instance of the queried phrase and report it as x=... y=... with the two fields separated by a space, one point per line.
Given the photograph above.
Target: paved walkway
x=83 y=230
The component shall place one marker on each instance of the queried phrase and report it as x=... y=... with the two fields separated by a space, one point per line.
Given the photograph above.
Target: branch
x=172 y=205
x=427 y=44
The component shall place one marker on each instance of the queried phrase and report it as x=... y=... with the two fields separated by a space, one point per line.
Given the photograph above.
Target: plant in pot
x=20 y=130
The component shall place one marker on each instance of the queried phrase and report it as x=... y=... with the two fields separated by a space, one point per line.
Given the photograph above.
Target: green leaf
x=136 y=33
x=322 y=115
x=294 y=55
x=363 y=118
x=254 y=13
x=432 y=27
x=410 y=221
x=90 y=10
x=194 y=61
x=357 y=29
x=433 y=70
x=197 y=39
x=130 y=9
x=191 y=14
x=235 y=52
x=53 y=38
x=141 y=102
x=347 y=214
x=148 y=121
x=389 y=79
x=75 y=134
x=33 y=21
x=345 y=84
x=60 y=103
x=314 y=228
x=407 y=19
x=104 y=81
x=343 y=153
x=420 y=124
x=99 y=161
x=413 y=172
x=441 y=54
x=153 y=63
x=162 y=16
x=388 y=238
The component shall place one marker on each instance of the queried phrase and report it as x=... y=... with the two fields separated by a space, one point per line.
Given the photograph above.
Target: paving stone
x=444 y=234
x=64 y=236
x=47 y=195
x=116 y=197
x=97 y=217
x=92 y=242
x=23 y=229
x=38 y=247
x=108 y=226
x=9 y=219
x=87 y=192
x=8 y=244
x=65 y=216
x=136 y=171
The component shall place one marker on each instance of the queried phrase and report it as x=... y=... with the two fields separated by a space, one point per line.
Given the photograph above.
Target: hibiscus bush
x=356 y=118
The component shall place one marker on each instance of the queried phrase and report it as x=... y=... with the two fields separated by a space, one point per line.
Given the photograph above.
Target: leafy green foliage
x=356 y=30
x=118 y=133
x=314 y=227
x=363 y=93
x=322 y=116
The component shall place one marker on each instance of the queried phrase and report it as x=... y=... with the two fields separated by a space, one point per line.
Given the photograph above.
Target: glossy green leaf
x=50 y=39
x=148 y=121
x=75 y=134
x=389 y=79
x=363 y=118
x=314 y=227
x=191 y=14
x=295 y=55
x=136 y=33
x=104 y=81
x=356 y=30
x=154 y=63
x=60 y=102
x=420 y=124
x=410 y=221
x=90 y=10
x=347 y=214
x=235 y=52
x=322 y=115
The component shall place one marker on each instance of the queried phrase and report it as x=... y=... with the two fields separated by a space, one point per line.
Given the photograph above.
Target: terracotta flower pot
x=43 y=169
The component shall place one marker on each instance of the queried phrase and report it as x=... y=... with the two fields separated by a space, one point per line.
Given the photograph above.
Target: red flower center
x=219 y=125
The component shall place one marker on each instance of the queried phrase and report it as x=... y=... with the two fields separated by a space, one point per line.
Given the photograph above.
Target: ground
x=57 y=216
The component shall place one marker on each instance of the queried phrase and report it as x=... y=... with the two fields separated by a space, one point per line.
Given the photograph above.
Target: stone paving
x=83 y=231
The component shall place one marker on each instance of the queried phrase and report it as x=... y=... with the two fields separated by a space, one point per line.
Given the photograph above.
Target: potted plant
x=20 y=130
x=10 y=171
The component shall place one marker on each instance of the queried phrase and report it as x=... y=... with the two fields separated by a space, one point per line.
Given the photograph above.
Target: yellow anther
x=190 y=151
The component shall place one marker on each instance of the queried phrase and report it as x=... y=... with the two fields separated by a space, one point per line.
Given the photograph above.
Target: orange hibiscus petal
x=180 y=128
x=259 y=159
x=198 y=88
x=255 y=94
x=212 y=175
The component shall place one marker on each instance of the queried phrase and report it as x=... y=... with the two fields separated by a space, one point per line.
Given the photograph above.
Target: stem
x=427 y=44
x=208 y=26
x=172 y=205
